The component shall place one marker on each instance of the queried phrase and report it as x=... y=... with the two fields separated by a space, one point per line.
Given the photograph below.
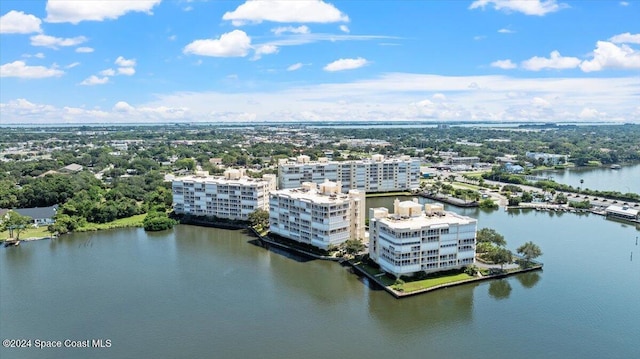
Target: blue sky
x=297 y=60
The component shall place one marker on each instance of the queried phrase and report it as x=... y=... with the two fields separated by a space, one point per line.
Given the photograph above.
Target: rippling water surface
x=199 y=292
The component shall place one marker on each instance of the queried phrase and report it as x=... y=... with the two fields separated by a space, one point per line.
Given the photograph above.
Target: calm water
x=207 y=293
x=626 y=179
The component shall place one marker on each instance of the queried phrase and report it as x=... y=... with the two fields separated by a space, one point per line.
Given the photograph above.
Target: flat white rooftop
x=311 y=196
x=423 y=221
x=623 y=210
x=246 y=181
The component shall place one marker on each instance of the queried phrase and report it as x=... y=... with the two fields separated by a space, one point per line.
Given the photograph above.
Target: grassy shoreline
x=43 y=233
x=420 y=286
x=128 y=222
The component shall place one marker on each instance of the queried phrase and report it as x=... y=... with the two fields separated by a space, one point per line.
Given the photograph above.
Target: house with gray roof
x=41 y=216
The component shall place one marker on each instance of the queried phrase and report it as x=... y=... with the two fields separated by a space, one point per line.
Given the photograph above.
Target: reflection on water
x=528 y=279
x=423 y=313
x=206 y=293
x=500 y=289
x=623 y=180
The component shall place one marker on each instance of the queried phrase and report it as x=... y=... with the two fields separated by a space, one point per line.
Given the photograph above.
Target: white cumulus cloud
x=22 y=70
x=84 y=50
x=128 y=71
x=527 y=7
x=287 y=11
x=294 y=67
x=232 y=44
x=126 y=66
x=590 y=113
x=626 y=38
x=302 y=29
x=122 y=106
x=555 y=61
x=506 y=31
x=17 y=22
x=121 y=61
x=609 y=55
x=107 y=72
x=384 y=97
x=149 y=113
x=345 y=28
x=55 y=42
x=540 y=102
x=346 y=64
x=39 y=55
x=264 y=50
x=94 y=80
x=94 y=10
x=504 y=64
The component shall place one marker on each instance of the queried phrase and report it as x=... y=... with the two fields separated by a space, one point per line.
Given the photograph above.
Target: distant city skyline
x=310 y=60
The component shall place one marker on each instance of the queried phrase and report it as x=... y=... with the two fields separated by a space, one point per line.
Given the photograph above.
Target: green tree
x=259 y=219
x=488 y=203
x=491 y=236
x=353 y=246
x=514 y=201
x=185 y=163
x=501 y=256
x=15 y=223
x=529 y=251
x=66 y=223
x=471 y=270
x=157 y=221
x=561 y=198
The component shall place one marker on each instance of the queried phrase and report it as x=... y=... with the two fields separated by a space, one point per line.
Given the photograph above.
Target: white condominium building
x=377 y=174
x=321 y=216
x=232 y=196
x=412 y=240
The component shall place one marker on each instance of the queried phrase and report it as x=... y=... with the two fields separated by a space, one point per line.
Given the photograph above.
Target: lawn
x=40 y=232
x=133 y=221
x=386 y=280
x=433 y=282
x=466 y=185
x=29 y=233
x=475 y=175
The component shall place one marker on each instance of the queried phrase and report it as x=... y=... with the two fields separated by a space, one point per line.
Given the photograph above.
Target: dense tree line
x=132 y=175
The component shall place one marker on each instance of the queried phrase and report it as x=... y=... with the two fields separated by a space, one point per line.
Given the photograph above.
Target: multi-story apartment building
x=232 y=196
x=377 y=174
x=412 y=240
x=319 y=215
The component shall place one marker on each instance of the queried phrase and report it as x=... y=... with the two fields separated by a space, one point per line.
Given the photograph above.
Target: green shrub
x=157 y=221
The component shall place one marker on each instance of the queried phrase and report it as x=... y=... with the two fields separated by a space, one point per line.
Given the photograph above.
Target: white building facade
x=377 y=174
x=319 y=215
x=548 y=158
x=232 y=196
x=411 y=240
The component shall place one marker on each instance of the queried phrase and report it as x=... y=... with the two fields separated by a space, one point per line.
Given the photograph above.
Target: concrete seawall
x=399 y=295
x=266 y=241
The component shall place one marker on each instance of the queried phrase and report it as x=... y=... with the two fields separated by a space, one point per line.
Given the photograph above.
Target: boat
x=615 y=167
